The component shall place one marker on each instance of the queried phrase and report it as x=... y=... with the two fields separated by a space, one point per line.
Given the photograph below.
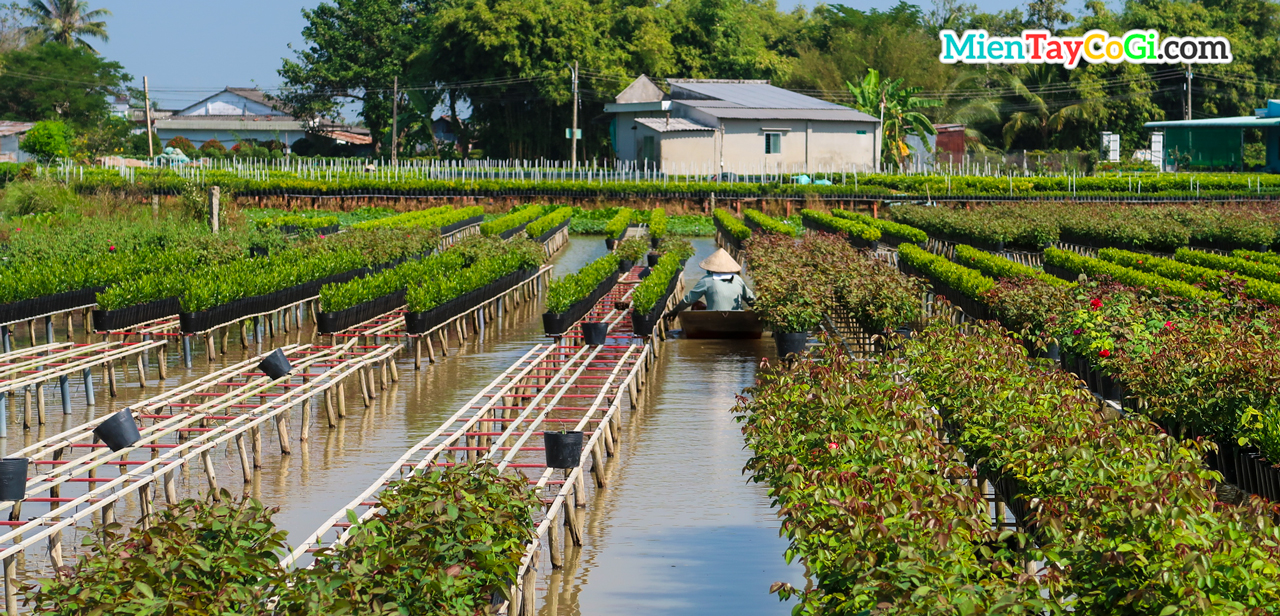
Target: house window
x=862 y=132
x=773 y=143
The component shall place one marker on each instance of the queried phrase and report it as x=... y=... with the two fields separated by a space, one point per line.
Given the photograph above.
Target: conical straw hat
x=721 y=263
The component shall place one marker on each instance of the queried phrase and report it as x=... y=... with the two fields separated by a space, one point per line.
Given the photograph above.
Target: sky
x=190 y=49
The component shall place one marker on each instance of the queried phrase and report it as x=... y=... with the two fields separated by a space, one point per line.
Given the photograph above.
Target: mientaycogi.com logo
x=1095 y=47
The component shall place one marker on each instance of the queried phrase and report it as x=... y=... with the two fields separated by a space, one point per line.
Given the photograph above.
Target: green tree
x=899 y=107
x=67 y=22
x=515 y=54
x=355 y=50
x=48 y=141
x=1033 y=89
x=52 y=81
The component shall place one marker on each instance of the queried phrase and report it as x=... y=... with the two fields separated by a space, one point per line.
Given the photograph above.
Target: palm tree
x=898 y=107
x=67 y=21
x=1033 y=89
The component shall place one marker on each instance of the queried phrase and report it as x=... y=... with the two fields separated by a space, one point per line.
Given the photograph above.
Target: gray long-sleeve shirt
x=720 y=294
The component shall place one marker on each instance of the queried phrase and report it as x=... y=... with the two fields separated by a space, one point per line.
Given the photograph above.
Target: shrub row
x=548 y=222
x=999 y=267
x=1078 y=264
x=881 y=510
x=433 y=218
x=301 y=222
x=768 y=223
x=486 y=264
x=646 y=295
x=618 y=224
x=513 y=220
x=1193 y=274
x=341 y=296
x=658 y=223
x=1269 y=272
x=1118 y=507
x=572 y=288
x=968 y=282
x=732 y=225
x=853 y=229
x=906 y=232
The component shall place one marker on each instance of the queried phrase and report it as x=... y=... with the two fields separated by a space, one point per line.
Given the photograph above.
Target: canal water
x=679 y=531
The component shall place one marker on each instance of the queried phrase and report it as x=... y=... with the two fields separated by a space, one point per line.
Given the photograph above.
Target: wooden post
x=11 y=585
x=215 y=204
x=282 y=432
x=245 y=467
x=64 y=387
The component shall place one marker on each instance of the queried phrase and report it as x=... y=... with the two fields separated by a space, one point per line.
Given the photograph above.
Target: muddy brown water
x=679 y=530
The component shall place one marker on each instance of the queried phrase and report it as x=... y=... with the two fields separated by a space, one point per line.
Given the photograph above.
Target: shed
x=1219 y=142
x=11 y=134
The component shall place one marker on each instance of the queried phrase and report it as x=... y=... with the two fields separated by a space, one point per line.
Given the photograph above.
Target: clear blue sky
x=192 y=48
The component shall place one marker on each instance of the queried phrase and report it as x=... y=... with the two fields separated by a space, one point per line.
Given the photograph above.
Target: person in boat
x=721 y=288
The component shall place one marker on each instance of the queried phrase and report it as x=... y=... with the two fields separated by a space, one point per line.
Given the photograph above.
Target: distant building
x=945 y=148
x=1218 y=143
x=442 y=129
x=11 y=134
x=236 y=114
x=714 y=125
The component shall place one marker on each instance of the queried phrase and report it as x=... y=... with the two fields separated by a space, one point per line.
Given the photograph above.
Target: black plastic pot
x=275 y=365
x=118 y=431
x=564 y=449
x=625 y=265
x=594 y=334
x=654 y=241
x=13 y=479
x=653 y=258
x=609 y=242
x=790 y=343
x=1053 y=352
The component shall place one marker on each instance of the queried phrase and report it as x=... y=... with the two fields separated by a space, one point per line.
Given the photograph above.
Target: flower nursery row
x=1199 y=363
x=325 y=182
x=875 y=480
x=1164 y=227
x=449 y=542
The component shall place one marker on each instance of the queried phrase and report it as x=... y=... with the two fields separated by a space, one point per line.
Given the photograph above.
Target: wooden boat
x=708 y=324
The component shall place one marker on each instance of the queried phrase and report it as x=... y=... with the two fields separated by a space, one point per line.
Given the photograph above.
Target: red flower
x=1104 y=353
x=1095 y=302
x=1168 y=324
x=18 y=229
x=111 y=248
x=833 y=446
x=321 y=237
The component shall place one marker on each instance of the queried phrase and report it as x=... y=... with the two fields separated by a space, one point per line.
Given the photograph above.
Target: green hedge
x=524 y=215
x=619 y=223
x=646 y=294
x=433 y=291
x=1000 y=267
x=1269 y=272
x=548 y=222
x=658 y=223
x=768 y=223
x=971 y=283
x=732 y=225
x=906 y=232
x=1194 y=274
x=1081 y=264
x=335 y=297
x=433 y=218
x=1258 y=257
x=572 y=288
x=302 y=222
x=851 y=227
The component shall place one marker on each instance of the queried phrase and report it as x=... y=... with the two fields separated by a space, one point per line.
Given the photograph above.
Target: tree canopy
x=51 y=81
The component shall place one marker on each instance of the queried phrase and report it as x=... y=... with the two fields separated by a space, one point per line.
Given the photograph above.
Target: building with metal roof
x=711 y=126
x=1219 y=142
x=238 y=114
x=11 y=134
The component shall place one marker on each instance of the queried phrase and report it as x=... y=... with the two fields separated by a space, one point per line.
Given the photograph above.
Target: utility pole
x=573 y=158
x=146 y=95
x=395 y=117
x=1187 y=115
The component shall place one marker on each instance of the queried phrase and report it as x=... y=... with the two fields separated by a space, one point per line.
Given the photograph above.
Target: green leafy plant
x=1194 y=274
x=731 y=225
x=1000 y=267
x=522 y=216
x=768 y=223
x=906 y=232
x=658 y=223
x=971 y=283
x=1079 y=264
x=1261 y=429
x=682 y=248
x=618 y=224
x=653 y=289
x=844 y=226
x=568 y=290
x=633 y=249
x=537 y=228
x=196 y=557
x=486 y=263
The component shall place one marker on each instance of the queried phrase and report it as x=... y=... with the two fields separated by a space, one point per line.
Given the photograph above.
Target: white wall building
x=11 y=134
x=708 y=126
x=236 y=114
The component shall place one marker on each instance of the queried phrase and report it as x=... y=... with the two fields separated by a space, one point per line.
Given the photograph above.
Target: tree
x=67 y=22
x=51 y=81
x=515 y=54
x=105 y=138
x=355 y=50
x=900 y=108
x=48 y=141
x=1033 y=88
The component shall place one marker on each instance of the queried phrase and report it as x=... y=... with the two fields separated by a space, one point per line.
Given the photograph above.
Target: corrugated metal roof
x=756 y=95
x=227 y=123
x=836 y=114
x=15 y=128
x=663 y=125
x=1236 y=122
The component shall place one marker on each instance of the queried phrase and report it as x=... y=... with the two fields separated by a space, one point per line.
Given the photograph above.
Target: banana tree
x=898 y=108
